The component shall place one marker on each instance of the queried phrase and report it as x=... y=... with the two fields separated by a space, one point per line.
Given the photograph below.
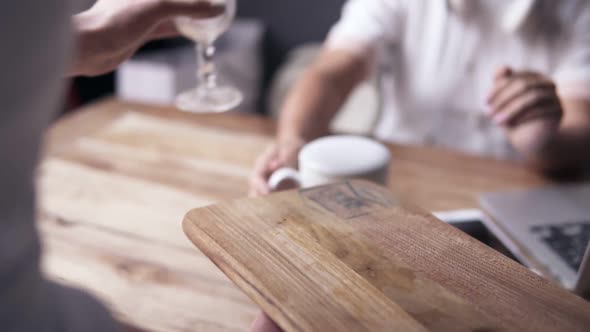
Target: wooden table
x=350 y=256
x=119 y=177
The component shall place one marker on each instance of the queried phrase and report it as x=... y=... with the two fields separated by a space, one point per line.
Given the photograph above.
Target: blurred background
x=269 y=45
x=267 y=40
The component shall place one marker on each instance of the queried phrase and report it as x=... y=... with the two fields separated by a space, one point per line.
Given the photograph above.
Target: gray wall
x=290 y=23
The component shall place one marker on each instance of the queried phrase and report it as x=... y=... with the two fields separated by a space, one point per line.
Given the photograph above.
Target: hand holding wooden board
x=350 y=257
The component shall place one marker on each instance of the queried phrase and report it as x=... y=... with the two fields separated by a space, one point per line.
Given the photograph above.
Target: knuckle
x=521 y=85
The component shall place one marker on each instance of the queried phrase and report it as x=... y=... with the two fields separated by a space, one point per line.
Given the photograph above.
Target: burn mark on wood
x=349 y=200
x=341 y=253
x=369 y=272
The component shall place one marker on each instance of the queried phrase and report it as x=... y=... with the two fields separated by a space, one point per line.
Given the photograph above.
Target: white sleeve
x=366 y=24
x=572 y=74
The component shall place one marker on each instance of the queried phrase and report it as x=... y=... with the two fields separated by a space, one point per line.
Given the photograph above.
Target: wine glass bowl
x=208 y=96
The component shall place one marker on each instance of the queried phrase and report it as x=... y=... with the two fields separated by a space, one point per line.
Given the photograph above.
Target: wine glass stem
x=206 y=74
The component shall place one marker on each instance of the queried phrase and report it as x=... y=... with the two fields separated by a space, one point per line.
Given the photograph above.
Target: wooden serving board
x=351 y=257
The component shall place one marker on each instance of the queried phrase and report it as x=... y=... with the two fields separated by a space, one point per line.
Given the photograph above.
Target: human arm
x=349 y=55
x=319 y=94
x=308 y=111
x=112 y=30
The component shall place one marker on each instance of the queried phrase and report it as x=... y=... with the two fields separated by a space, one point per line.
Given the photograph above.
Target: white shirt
x=437 y=61
x=35 y=47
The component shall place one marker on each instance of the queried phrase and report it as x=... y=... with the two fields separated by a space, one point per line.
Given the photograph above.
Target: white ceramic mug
x=337 y=158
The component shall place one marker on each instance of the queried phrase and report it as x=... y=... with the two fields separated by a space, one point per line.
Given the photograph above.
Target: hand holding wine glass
x=112 y=30
x=208 y=96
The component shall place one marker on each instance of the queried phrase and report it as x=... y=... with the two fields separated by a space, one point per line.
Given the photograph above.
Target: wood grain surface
x=352 y=257
x=112 y=200
x=118 y=178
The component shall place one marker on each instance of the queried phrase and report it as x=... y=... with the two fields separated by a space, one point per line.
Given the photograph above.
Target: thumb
x=503 y=72
x=275 y=164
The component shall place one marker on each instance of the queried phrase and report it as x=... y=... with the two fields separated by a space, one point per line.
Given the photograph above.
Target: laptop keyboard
x=568 y=240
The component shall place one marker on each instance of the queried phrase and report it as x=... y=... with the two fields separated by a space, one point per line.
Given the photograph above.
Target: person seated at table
x=35 y=39
x=504 y=79
x=508 y=79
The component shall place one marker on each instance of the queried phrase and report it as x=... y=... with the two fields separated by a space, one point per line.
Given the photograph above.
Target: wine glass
x=208 y=96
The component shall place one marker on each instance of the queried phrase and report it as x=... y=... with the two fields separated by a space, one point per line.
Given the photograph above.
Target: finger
x=286 y=157
x=547 y=111
x=192 y=8
x=263 y=323
x=523 y=104
x=262 y=171
x=264 y=164
x=499 y=86
x=502 y=72
x=275 y=164
x=260 y=186
x=526 y=102
x=259 y=183
x=501 y=79
x=166 y=29
x=505 y=76
x=514 y=88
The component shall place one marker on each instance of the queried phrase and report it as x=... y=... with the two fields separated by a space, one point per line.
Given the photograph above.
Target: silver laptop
x=547 y=229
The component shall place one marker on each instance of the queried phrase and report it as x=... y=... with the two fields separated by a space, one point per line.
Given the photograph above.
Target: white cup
x=337 y=158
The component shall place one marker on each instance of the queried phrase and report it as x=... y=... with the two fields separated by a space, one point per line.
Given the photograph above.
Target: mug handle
x=284 y=174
